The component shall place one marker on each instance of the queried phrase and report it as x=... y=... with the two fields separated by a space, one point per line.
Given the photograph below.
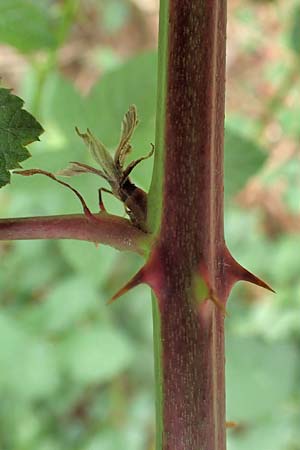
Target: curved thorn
x=245 y=275
x=238 y=273
x=137 y=279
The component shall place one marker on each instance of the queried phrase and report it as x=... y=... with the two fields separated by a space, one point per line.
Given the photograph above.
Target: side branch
x=101 y=228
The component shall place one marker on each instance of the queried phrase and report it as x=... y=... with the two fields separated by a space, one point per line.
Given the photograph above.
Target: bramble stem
x=103 y=228
x=189 y=331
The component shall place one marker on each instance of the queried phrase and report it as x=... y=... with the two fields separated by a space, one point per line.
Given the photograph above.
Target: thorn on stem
x=238 y=273
x=137 y=279
x=100 y=201
x=251 y=278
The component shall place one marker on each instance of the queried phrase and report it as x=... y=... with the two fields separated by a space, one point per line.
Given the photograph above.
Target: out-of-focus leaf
x=294 y=38
x=95 y=354
x=21 y=423
x=18 y=128
x=269 y=321
x=114 y=15
x=94 y=263
x=103 y=110
x=107 y=440
x=70 y=302
x=26 y=24
x=130 y=84
x=267 y=434
x=243 y=158
x=28 y=365
x=260 y=378
x=264 y=1
x=106 y=58
x=286 y=268
x=287 y=118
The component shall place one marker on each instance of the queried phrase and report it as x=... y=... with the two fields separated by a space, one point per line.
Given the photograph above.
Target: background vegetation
x=76 y=374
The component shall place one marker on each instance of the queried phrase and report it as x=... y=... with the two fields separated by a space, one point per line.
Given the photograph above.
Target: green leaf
x=18 y=128
x=106 y=440
x=288 y=119
x=100 y=154
x=134 y=82
x=243 y=158
x=294 y=38
x=28 y=365
x=272 y=434
x=260 y=378
x=94 y=263
x=95 y=354
x=26 y=24
x=69 y=303
x=114 y=15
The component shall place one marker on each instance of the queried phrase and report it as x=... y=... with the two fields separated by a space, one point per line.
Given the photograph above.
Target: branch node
x=212 y=295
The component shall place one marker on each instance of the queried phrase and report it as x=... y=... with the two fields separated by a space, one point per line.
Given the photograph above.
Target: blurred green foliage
x=76 y=374
x=28 y=25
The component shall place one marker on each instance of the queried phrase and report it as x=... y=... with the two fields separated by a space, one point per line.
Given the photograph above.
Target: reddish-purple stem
x=100 y=228
x=192 y=228
x=190 y=244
